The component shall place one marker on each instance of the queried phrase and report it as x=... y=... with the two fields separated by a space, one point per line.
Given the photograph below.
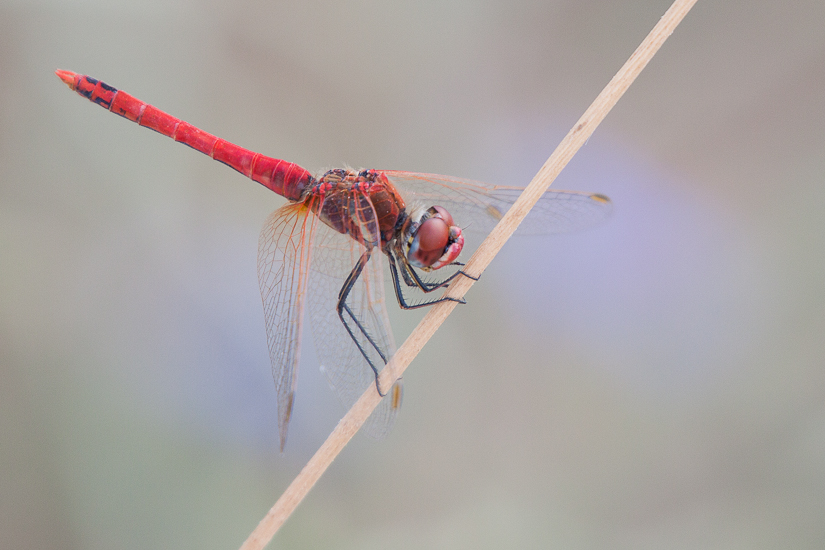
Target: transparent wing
x=343 y=364
x=477 y=206
x=284 y=257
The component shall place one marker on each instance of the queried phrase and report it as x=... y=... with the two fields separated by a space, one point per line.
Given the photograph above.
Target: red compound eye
x=433 y=235
x=436 y=242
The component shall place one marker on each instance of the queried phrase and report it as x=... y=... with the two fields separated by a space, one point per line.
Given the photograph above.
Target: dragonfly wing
x=477 y=206
x=343 y=364
x=284 y=259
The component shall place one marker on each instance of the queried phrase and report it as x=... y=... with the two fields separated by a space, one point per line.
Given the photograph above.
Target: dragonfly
x=324 y=251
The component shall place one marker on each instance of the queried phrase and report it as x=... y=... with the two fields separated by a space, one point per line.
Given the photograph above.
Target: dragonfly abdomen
x=285 y=178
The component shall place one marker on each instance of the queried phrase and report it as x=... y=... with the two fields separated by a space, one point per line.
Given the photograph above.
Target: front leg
x=417 y=282
x=429 y=287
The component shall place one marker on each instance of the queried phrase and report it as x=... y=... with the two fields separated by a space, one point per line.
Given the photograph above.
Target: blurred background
x=654 y=382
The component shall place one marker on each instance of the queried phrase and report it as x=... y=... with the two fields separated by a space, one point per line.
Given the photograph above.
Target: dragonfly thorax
x=352 y=200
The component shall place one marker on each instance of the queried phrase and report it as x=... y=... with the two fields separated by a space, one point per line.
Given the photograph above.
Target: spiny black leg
x=462 y=272
x=361 y=349
x=363 y=331
x=429 y=287
x=399 y=292
x=342 y=306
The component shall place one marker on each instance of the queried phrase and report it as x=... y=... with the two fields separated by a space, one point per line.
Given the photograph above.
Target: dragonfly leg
x=343 y=308
x=462 y=272
x=399 y=292
x=429 y=287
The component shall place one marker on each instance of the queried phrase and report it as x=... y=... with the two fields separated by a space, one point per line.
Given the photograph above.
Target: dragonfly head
x=434 y=241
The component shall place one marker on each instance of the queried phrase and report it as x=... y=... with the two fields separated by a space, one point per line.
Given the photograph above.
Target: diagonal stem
x=568 y=147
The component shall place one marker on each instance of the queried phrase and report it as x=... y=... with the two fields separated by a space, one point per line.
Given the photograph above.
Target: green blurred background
x=655 y=382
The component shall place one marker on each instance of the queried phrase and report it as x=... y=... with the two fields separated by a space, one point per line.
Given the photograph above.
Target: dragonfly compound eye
x=437 y=241
x=433 y=235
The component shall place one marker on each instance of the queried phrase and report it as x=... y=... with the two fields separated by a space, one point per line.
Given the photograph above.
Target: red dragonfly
x=332 y=266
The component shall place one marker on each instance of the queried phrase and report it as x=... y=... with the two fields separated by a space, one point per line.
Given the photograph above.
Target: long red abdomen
x=285 y=178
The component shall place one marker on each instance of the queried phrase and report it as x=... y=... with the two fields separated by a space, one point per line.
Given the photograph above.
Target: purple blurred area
x=653 y=382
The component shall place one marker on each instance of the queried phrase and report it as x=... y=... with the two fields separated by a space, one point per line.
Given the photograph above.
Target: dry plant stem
x=356 y=416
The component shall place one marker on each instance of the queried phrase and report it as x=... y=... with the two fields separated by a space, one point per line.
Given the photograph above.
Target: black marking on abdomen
x=88 y=93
